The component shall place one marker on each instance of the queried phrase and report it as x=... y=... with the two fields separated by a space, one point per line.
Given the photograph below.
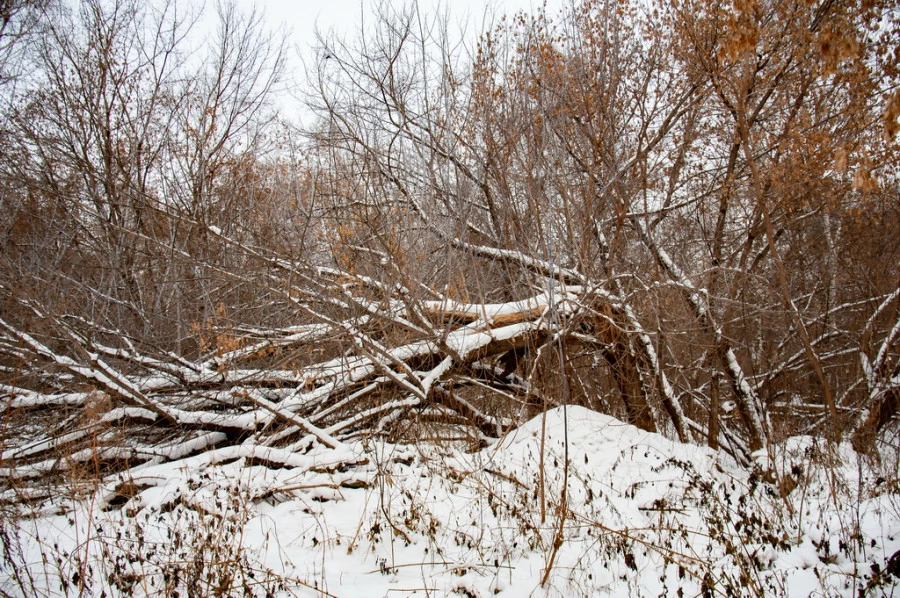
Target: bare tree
x=650 y=212
x=20 y=23
x=570 y=156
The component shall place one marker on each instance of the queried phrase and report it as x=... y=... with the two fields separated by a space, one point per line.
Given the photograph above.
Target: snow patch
x=643 y=516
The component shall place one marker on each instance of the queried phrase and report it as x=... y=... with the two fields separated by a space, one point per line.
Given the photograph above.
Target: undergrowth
x=690 y=524
x=189 y=544
x=719 y=532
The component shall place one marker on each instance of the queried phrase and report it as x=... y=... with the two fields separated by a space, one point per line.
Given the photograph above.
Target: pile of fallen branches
x=89 y=397
x=83 y=401
x=369 y=360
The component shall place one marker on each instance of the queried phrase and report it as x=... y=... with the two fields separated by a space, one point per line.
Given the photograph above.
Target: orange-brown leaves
x=837 y=45
x=863 y=180
x=891 y=117
x=840 y=160
x=742 y=33
x=216 y=333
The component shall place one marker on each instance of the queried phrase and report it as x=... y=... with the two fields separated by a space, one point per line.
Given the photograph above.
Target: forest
x=679 y=215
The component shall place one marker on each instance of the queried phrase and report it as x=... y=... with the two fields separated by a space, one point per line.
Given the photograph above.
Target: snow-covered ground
x=620 y=512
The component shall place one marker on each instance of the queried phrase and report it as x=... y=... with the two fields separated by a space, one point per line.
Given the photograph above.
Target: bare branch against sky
x=344 y=18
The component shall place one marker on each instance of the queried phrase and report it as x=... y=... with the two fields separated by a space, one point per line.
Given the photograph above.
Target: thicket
x=681 y=214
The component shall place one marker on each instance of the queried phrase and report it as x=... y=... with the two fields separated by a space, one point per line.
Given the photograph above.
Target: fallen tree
x=456 y=244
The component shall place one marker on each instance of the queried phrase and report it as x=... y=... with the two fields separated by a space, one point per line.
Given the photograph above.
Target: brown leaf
x=840 y=160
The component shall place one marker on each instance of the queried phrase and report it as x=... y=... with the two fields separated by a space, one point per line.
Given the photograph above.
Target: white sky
x=302 y=16
x=343 y=17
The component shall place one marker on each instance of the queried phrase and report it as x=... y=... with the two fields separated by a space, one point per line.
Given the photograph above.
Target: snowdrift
x=572 y=503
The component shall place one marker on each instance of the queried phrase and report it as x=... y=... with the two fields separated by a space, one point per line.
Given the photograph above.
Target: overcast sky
x=303 y=16
x=343 y=17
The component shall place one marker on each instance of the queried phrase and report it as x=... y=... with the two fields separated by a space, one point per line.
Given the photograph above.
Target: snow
x=17 y=398
x=535 y=305
x=645 y=516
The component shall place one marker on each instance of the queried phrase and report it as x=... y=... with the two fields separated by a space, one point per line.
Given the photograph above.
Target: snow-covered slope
x=643 y=516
